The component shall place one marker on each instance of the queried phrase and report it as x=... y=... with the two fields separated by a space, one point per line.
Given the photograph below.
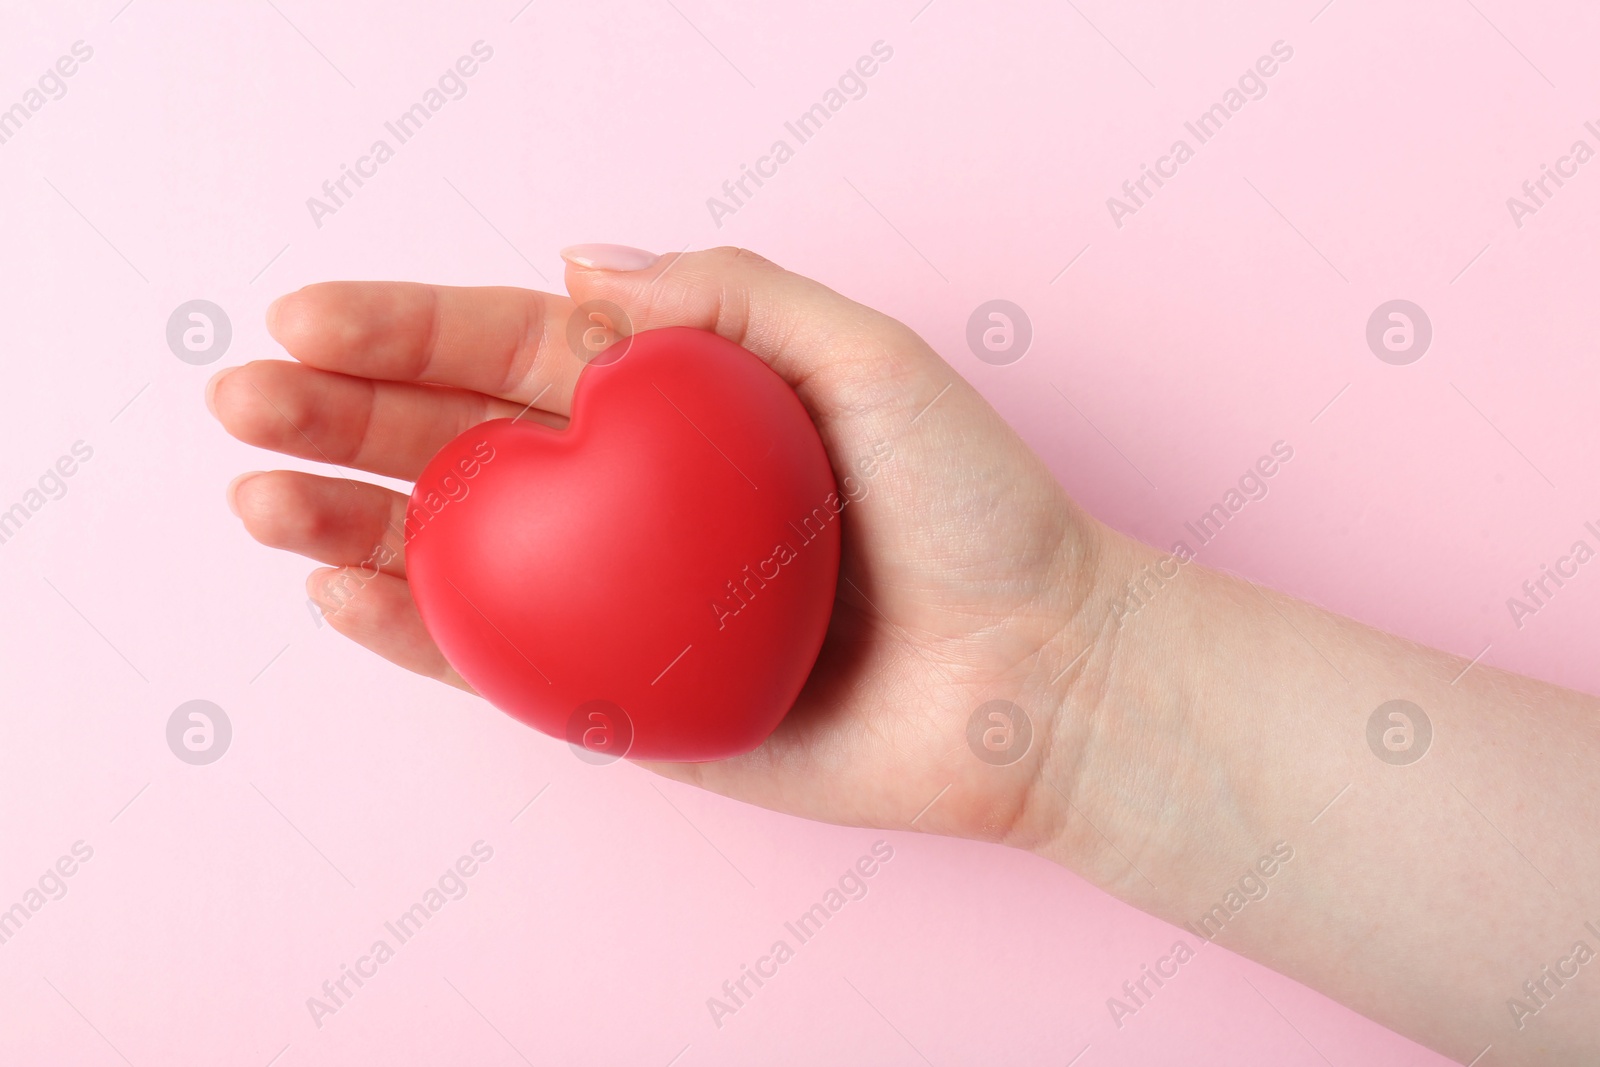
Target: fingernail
x=608 y=257
x=211 y=389
x=233 y=491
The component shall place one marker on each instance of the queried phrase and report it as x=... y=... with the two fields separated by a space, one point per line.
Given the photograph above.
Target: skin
x=1173 y=747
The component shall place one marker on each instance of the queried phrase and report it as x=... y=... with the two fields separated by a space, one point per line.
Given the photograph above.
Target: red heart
x=655 y=579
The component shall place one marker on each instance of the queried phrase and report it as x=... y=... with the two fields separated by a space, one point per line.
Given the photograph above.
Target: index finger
x=496 y=340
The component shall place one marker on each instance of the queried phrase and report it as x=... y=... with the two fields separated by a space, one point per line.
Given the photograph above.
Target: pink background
x=1226 y=314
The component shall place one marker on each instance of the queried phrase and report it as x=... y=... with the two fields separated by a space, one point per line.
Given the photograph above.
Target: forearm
x=1227 y=721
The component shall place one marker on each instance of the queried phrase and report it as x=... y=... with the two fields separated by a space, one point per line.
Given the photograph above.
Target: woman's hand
x=966 y=574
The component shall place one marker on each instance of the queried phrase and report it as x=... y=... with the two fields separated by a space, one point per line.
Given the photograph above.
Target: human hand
x=965 y=575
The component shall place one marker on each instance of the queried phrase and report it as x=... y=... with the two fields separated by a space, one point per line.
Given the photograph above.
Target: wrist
x=1129 y=756
x=1156 y=782
x=1068 y=692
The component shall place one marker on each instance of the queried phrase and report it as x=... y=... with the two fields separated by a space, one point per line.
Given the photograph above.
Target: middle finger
x=497 y=340
x=388 y=428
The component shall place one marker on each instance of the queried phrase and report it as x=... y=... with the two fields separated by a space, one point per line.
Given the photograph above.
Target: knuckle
x=733 y=255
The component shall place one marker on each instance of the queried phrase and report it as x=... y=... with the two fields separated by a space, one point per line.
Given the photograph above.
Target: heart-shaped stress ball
x=655 y=579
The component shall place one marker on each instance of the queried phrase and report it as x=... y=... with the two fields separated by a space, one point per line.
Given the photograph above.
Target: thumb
x=823 y=344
